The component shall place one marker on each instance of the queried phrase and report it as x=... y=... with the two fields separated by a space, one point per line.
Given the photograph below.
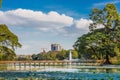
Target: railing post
x=34 y=64
x=14 y=65
x=25 y=65
x=19 y=65
x=39 y=64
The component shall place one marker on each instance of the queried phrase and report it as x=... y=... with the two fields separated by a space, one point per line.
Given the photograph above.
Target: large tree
x=89 y=46
x=109 y=18
x=0 y=3
x=101 y=42
x=8 y=43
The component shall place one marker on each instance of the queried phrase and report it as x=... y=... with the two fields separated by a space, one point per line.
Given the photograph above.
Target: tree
x=80 y=46
x=108 y=17
x=8 y=43
x=0 y=3
x=61 y=55
x=87 y=45
x=74 y=54
x=51 y=55
x=35 y=57
x=102 y=42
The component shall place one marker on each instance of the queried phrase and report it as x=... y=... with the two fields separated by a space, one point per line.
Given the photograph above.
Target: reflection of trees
x=108 y=70
x=3 y=67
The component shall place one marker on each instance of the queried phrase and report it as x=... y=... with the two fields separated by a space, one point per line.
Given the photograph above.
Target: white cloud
x=51 y=21
x=57 y=28
x=38 y=19
x=29 y=48
x=100 y=26
x=83 y=24
x=26 y=46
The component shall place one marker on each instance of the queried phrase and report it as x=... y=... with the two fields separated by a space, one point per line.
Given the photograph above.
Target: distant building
x=56 y=47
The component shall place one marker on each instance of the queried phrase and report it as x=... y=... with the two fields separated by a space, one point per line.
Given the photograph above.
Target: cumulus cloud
x=38 y=19
x=99 y=26
x=83 y=24
x=25 y=47
x=34 y=49
x=27 y=23
x=51 y=21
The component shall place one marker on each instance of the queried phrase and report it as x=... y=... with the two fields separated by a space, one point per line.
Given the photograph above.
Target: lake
x=106 y=72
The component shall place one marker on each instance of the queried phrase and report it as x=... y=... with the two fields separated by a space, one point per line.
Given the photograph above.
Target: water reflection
x=58 y=75
x=10 y=72
x=97 y=69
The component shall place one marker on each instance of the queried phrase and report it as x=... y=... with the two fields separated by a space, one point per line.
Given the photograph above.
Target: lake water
x=108 y=72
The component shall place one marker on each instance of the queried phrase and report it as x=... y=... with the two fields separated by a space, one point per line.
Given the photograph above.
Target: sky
x=40 y=23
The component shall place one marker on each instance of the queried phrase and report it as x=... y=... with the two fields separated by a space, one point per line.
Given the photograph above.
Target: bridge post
x=14 y=65
x=53 y=63
x=25 y=65
x=30 y=64
x=44 y=64
x=34 y=64
x=19 y=66
x=39 y=64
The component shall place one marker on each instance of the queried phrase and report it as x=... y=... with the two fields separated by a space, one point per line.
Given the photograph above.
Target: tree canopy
x=55 y=55
x=8 y=43
x=0 y=3
x=100 y=43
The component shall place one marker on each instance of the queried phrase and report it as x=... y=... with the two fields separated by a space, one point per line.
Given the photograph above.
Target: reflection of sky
x=67 y=68
x=58 y=72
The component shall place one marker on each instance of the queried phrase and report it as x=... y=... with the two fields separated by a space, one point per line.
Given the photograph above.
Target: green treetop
x=8 y=43
x=101 y=42
x=0 y=3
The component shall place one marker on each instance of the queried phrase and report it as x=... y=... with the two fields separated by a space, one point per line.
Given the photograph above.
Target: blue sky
x=38 y=23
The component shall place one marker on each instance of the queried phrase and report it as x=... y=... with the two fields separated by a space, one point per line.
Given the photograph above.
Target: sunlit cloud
x=37 y=29
x=36 y=19
x=83 y=24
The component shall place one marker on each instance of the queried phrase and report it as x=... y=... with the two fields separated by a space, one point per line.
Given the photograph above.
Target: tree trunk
x=107 y=59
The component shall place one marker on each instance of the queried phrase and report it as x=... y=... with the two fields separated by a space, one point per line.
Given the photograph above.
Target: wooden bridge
x=53 y=63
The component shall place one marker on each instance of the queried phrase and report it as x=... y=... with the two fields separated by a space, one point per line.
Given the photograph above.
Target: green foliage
x=74 y=54
x=8 y=54
x=107 y=17
x=0 y=3
x=87 y=45
x=1 y=56
x=34 y=57
x=62 y=55
x=55 y=55
x=8 y=43
x=100 y=43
